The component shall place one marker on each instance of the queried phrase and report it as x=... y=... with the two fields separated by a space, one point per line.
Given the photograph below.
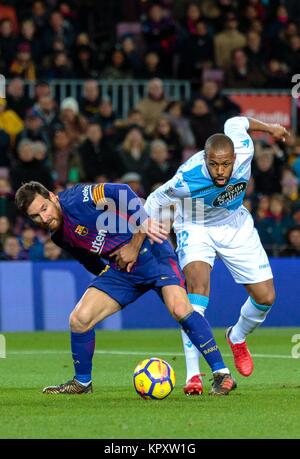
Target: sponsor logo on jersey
x=81 y=230
x=246 y=143
x=85 y=192
x=230 y=194
x=98 y=243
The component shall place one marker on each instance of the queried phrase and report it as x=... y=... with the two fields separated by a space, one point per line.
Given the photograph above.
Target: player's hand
x=279 y=132
x=156 y=231
x=126 y=256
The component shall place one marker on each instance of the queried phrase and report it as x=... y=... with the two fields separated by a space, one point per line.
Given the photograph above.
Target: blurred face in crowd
x=294 y=238
x=40 y=150
x=28 y=234
x=156 y=13
x=105 y=108
x=46 y=104
x=16 y=88
x=134 y=138
x=295 y=42
x=61 y=140
x=68 y=115
x=155 y=89
x=24 y=56
x=82 y=39
x=193 y=12
x=239 y=59
x=253 y=40
x=117 y=58
x=264 y=203
x=28 y=29
x=25 y=152
x=264 y=161
x=5 y=186
x=152 y=60
x=42 y=89
x=128 y=45
x=91 y=90
x=46 y=212
x=200 y=108
x=52 y=251
x=159 y=152
x=164 y=126
x=56 y=21
x=4 y=225
x=176 y=110
x=33 y=123
x=201 y=28
x=276 y=206
x=6 y=28
x=94 y=133
x=209 y=89
x=38 y=8
x=12 y=246
x=231 y=22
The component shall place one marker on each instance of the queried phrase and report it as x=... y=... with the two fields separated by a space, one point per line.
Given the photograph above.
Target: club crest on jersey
x=81 y=230
x=230 y=194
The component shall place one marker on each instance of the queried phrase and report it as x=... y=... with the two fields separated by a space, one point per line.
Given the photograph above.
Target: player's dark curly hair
x=27 y=193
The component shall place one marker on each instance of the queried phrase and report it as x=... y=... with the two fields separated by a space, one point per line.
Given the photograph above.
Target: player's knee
x=80 y=321
x=266 y=298
x=180 y=310
x=196 y=285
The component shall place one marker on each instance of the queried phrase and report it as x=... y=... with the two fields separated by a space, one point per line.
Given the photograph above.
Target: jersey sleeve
x=166 y=195
x=122 y=198
x=237 y=129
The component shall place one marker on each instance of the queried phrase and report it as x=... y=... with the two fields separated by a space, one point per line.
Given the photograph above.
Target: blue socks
x=83 y=346
x=199 y=331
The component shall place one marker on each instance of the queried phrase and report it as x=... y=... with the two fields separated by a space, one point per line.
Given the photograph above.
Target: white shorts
x=237 y=244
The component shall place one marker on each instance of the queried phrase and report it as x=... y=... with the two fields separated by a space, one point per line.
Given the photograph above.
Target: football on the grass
x=154 y=379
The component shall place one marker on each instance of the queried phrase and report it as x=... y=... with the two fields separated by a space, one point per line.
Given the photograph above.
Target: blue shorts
x=156 y=267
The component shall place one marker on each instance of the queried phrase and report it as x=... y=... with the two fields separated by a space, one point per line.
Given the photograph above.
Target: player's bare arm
x=278 y=131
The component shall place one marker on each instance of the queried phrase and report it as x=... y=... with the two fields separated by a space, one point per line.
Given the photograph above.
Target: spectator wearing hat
x=23 y=65
x=228 y=40
x=10 y=122
x=72 y=121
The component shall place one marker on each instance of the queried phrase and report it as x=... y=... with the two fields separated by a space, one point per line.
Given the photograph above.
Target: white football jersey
x=197 y=200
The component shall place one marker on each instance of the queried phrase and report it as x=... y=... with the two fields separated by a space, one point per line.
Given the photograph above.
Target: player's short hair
x=27 y=193
x=218 y=142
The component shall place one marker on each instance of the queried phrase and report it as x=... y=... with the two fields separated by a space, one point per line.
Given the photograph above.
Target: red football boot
x=242 y=357
x=194 y=385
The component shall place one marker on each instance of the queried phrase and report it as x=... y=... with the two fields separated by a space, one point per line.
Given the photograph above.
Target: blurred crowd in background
x=215 y=44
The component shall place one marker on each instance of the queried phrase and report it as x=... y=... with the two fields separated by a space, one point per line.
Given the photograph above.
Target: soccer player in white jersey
x=210 y=220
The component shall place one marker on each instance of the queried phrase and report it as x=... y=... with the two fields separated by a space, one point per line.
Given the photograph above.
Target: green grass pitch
x=265 y=405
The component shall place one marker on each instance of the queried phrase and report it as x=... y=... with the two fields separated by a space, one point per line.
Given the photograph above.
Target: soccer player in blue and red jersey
x=99 y=225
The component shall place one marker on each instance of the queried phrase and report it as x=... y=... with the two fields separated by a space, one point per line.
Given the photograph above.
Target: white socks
x=251 y=316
